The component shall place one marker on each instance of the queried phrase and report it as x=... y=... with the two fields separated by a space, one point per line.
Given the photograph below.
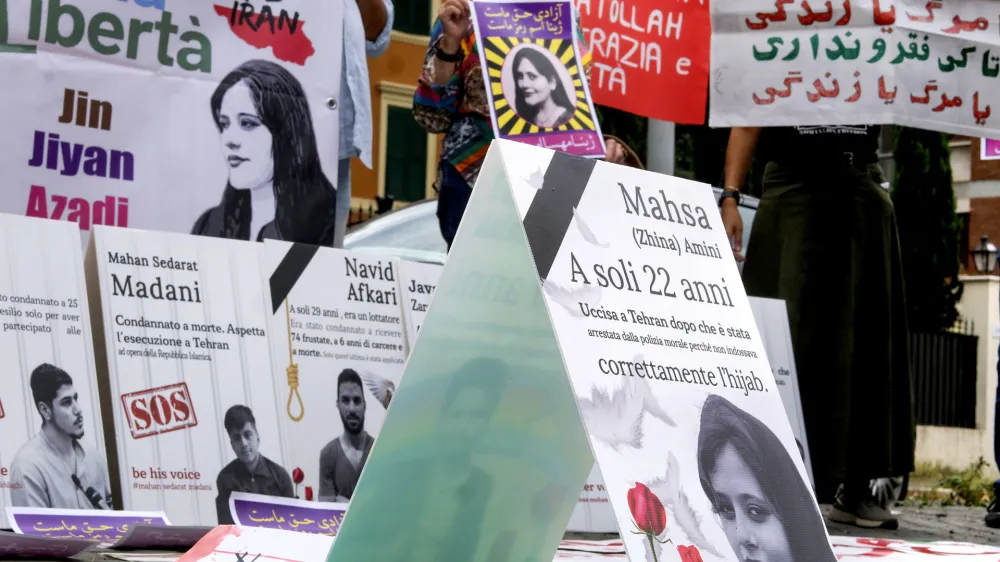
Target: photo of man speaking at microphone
x=52 y=468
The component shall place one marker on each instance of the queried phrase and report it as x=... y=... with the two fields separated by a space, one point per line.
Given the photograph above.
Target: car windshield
x=414 y=227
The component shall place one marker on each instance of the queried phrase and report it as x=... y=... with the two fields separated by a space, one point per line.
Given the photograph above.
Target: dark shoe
x=993 y=511
x=862 y=510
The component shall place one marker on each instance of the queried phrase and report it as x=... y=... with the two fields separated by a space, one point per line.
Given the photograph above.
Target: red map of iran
x=286 y=36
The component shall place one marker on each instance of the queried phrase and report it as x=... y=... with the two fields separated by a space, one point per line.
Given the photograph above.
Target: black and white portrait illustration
x=539 y=86
x=53 y=468
x=757 y=493
x=250 y=471
x=276 y=185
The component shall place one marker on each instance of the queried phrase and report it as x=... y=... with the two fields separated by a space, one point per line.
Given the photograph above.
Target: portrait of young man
x=52 y=468
x=341 y=460
x=250 y=472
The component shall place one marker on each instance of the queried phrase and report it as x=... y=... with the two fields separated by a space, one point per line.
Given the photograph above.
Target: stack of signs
x=337 y=340
x=52 y=453
x=607 y=323
x=417 y=282
x=192 y=395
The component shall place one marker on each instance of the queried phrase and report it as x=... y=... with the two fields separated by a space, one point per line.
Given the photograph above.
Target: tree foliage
x=924 y=200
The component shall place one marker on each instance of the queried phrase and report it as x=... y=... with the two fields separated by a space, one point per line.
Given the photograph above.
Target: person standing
x=52 y=468
x=341 y=460
x=367 y=26
x=451 y=99
x=250 y=471
x=825 y=241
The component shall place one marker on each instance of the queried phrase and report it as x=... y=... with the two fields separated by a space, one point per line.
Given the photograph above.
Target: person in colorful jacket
x=451 y=99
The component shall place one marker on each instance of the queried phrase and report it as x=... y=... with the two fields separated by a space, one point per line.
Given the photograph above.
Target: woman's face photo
x=246 y=142
x=534 y=88
x=748 y=519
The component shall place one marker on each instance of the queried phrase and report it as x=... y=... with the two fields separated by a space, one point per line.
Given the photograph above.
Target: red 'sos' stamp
x=159 y=410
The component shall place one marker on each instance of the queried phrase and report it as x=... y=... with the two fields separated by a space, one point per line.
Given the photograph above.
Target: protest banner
x=105 y=527
x=283 y=514
x=17 y=546
x=49 y=383
x=649 y=57
x=909 y=62
x=417 y=282
x=188 y=370
x=989 y=149
x=594 y=310
x=197 y=116
x=338 y=353
x=536 y=88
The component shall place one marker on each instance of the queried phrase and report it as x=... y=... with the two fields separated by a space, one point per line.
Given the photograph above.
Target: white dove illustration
x=534 y=179
x=585 y=231
x=570 y=299
x=669 y=490
x=381 y=388
x=615 y=418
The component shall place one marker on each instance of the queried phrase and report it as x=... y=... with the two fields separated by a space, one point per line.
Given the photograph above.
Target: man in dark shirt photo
x=341 y=460
x=250 y=472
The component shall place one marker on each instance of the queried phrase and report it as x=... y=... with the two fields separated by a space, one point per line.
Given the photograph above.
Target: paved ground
x=959 y=524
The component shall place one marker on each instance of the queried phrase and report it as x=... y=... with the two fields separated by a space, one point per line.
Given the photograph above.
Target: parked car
x=412 y=232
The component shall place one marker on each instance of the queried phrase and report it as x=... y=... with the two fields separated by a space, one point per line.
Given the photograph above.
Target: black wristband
x=457 y=57
x=730 y=194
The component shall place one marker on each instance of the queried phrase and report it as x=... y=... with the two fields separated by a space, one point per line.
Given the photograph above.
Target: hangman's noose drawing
x=292 y=372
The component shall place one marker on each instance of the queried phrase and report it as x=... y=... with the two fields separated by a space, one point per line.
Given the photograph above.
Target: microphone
x=92 y=495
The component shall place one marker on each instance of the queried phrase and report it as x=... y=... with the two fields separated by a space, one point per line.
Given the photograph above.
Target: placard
x=908 y=62
x=593 y=512
x=608 y=310
x=190 y=389
x=989 y=149
x=123 y=114
x=51 y=410
x=649 y=46
x=13 y=545
x=338 y=353
x=267 y=512
x=771 y=316
x=103 y=527
x=229 y=542
x=417 y=282
x=537 y=91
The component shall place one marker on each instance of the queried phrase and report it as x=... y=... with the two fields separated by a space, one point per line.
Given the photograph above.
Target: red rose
x=309 y=493
x=647 y=510
x=298 y=476
x=689 y=553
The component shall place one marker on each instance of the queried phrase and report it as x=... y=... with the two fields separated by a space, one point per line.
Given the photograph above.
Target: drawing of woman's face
x=535 y=89
x=748 y=518
x=246 y=142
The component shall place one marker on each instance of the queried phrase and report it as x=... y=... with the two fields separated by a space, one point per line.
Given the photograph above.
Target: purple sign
x=526 y=20
x=106 y=527
x=288 y=515
x=990 y=149
x=162 y=537
x=545 y=100
x=13 y=545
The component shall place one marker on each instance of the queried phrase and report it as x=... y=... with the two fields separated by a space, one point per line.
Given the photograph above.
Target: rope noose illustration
x=292 y=372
